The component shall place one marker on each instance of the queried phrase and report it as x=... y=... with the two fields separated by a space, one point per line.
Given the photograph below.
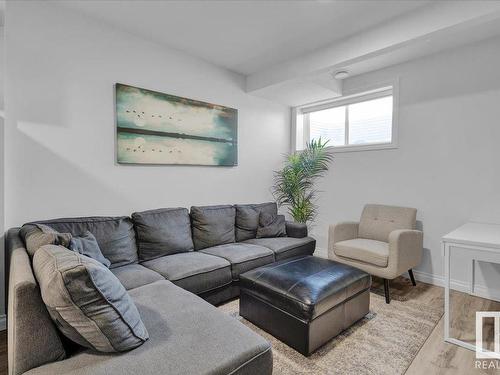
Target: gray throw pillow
x=271 y=226
x=38 y=235
x=87 y=302
x=247 y=218
x=86 y=244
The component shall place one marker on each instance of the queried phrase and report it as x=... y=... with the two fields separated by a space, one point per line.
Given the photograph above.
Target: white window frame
x=356 y=96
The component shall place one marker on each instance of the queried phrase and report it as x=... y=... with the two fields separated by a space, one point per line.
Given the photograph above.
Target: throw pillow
x=271 y=225
x=247 y=218
x=38 y=235
x=86 y=244
x=86 y=301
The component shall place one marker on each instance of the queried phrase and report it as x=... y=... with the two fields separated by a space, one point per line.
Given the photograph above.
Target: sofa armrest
x=296 y=230
x=33 y=339
x=347 y=230
x=405 y=249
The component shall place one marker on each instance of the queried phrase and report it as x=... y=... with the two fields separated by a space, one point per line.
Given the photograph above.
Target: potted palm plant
x=294 y=184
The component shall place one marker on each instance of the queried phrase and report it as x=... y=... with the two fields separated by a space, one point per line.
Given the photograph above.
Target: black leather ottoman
x=306 y=301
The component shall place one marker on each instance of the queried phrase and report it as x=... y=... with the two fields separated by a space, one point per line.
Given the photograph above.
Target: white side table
x=482 y=242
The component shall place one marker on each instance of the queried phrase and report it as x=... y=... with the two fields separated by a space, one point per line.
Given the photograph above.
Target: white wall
x=447 y=163
x=2 y=256
x=60 y=125
x=60 y=130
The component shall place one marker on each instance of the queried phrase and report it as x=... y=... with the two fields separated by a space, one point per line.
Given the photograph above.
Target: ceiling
x=245 y=36
x=288 y=50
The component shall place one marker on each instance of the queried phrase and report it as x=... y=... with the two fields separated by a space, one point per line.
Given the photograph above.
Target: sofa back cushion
x=87 y=302
x=378 y=221
x=247 y=218
x=162 y=232
x=212 y=225
x=115 y=235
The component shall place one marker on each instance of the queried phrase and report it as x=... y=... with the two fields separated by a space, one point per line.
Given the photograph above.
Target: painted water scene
x=157 y=128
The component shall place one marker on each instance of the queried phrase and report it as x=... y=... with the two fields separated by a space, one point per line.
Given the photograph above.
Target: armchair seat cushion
x=364 y=250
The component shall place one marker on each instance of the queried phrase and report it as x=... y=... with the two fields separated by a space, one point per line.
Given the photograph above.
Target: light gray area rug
x=385 y=342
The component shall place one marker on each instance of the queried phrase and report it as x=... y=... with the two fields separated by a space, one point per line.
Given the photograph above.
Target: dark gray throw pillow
x=86 y=244
x=271 y=225
x=87 y=303
x=247 y=218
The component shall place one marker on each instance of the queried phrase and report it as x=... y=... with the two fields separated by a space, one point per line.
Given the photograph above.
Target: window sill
x=368 y=147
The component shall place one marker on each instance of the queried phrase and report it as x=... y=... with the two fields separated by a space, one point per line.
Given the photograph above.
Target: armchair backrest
x=378 y=221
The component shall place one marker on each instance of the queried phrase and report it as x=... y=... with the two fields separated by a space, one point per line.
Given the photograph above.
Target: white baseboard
x=438 y=280
x=3 y=322
x=458 y=285
x=432 y=279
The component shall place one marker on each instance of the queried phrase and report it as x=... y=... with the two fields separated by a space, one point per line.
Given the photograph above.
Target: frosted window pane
x=328 y=124
x=371 y=121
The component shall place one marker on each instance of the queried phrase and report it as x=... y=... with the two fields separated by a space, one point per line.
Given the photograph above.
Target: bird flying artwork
x=157 y=128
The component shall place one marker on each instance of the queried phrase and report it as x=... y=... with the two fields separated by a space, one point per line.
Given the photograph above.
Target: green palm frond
x=294 y=184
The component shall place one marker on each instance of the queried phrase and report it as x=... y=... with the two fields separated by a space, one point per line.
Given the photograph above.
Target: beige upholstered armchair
x=384 y=243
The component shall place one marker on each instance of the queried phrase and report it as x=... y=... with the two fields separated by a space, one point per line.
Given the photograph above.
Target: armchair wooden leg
x=386 y=290
x=412 y=278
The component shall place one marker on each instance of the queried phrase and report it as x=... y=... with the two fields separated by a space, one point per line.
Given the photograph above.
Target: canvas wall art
x=157 y=128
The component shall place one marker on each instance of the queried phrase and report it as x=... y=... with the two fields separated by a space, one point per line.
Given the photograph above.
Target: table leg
x=446 y=250
x=472 y=276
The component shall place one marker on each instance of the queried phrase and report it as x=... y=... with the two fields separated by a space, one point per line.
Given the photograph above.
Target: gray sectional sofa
x=167 y=259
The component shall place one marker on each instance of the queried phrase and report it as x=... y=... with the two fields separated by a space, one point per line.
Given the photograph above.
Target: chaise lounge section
x=167 y=259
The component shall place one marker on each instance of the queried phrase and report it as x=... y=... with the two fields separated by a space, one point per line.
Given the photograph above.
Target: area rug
x=385 y=342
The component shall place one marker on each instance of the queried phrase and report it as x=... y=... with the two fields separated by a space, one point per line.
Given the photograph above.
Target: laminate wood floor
x=435 y=356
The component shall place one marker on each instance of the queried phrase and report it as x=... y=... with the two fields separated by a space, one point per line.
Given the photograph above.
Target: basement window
x=358 y=122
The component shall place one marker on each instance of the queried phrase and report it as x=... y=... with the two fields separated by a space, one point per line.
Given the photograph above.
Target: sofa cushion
x=242 y=256
x=378 y=221
x=115 y=235
x=286 y=247
x=86 y=244
x=212 y=225
x=162 y=232
x=86 y=301
x=367 y=251
x=193 y=271
x=271 y=226
x=247 y=218
x=38 y=235
x=187 y=336
x=134 y=275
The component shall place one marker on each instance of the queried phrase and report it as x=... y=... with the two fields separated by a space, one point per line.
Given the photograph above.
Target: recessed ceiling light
x=341 y=74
